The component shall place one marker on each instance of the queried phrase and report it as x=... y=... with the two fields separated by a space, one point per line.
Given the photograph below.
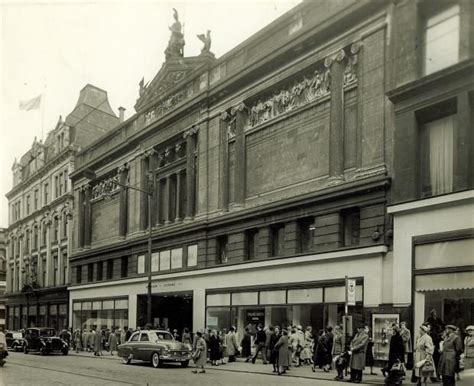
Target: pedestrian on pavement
x=424 y=349
x=306 y=355
x=85 y=340
x=231 y=345
x=260 y=342
x=436 y=332
x=369 y=354
x=396 y=350
x=451 y=350
x=186 y=338
x=330 y=343
x=176 y=335
x=357 y=351
x=405 y=333
x=97 y=343
x=283 y=348
x=320 y=351
x=214 y=348
x=128 y=334
x=469 y=348
x=91 y=339
x=338 y=342
x=112 y=342
x=78 y=340
x=223 y=346
x=246 y=345
x=200 y=353
x=273 y=350
x=268 y=336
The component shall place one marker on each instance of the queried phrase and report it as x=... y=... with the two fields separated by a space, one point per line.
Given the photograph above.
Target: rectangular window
x=277 y=233
x=56 y=271
x=305 y=234
x=27 y=205
x=124 y=266
x=351 y=221
x=56 y=187
x=65 y=268
x=110 y=269
x=46 y=194
x=165 y=260
x=66 y=178
x=192 y=255
x=44 y=235
x=155 y=261
x=36 y=195
x=221 y=249
x=90 y=272
x=141 y=264
x=43 y=272
x=437 y=156
x=441 y=39
x=100 y=270
x=177 y=258
x=251 y=244
x=60 y=177
x=35 y=237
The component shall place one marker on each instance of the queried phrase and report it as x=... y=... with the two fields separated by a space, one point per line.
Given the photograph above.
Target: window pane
x=310 y=295
x=273 y=297
x=97 y=305
x=192 y=255
x=155 y=261
x=244 y=298
x=176 y=258
x=108 y=304
x=164 y=260
x=141 y=264
x=121 y=304
x=218 y=300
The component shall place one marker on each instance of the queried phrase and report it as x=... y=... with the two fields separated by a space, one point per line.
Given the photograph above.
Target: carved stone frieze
x=191 y=131
x=164 y=106
x=106 y=187
x=350 y=71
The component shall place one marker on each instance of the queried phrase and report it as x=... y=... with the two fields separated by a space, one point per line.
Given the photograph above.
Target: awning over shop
x=445 y=281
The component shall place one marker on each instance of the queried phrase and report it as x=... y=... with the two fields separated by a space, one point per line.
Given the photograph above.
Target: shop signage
x=256 y=316
x=212 y=321
x=351 y=292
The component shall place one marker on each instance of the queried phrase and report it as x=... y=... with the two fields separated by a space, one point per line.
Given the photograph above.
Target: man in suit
x=357 y=351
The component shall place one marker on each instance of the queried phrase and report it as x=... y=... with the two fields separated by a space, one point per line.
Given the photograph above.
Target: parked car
x=14 y=340
x=154 y=346
x=44 y=340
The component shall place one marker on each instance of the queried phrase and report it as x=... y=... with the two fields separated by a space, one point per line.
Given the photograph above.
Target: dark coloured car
x=44 y=340
x=154 y=346
x=14 y=340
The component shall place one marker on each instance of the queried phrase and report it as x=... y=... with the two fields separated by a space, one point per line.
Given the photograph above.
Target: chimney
x=121 y=114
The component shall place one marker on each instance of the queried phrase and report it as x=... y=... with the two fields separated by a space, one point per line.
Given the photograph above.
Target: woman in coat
x=424 y=349
x=283 y=353
x=452 y=348
x=369 y=352
x=246 y=344
x=274 y=338
x=396 y=351
x=357 y=352
x=112 y=342
x=97 y=343
x=469 y=348
x=231 y=344
x=200 y=353
x=214 y=348
x=338 y=342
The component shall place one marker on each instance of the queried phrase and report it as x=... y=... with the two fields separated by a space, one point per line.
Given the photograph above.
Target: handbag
x=428 y=369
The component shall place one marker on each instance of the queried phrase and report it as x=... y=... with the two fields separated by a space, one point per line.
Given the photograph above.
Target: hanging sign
x=351 y=292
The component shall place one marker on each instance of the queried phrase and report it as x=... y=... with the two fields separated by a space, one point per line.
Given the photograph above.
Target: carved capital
x=224 y=116
x=328 y=62
x=239 y=108
x=123 y=168
x=191 y=131
x=339 y=57
x=355 y=47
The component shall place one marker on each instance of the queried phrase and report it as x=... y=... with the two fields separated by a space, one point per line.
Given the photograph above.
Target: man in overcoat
x=357 y=352
x=231 y=344
x=452 y=348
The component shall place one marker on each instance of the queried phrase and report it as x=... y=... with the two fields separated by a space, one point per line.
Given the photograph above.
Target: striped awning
x=445 y=281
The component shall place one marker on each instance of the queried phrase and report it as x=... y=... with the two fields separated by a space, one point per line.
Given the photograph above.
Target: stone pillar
x=190 y=136
x=21 y=264
x=123 y=203
x=336 y=133
x=240 y=113
x=80 y=220
x=463 y=159
x=49 y=257
x=87 y=216
x=264 y=242
x=224 y=160
x=329 y=232
x=178 y=196
x=144 y=165
x=166 y=201
x=291 y=238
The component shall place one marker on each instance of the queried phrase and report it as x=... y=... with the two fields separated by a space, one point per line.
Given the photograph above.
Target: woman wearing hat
x=452 y=348
x=469 y=348
x=424 y=349
x=200 y=353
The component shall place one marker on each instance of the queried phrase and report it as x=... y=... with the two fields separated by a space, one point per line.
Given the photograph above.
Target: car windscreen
x=48 y=333
x=154 y=337
x=17 y=335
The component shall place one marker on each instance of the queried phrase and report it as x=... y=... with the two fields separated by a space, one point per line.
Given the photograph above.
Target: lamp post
x=90 y=174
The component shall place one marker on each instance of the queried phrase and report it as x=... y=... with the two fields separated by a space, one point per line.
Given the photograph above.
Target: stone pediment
x=173 y=75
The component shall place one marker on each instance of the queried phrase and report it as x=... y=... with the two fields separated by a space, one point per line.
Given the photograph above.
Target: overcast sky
x=55 y=48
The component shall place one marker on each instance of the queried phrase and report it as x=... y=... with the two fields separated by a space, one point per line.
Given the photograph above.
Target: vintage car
x=154 y=346
x=44 y=340
x=14 y=340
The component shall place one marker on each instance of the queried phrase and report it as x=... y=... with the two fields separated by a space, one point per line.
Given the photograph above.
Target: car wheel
x=65 y=351
x=155 y=360
x=127 y=359
x=185 y=364
x=43 y=351
x=25 y=350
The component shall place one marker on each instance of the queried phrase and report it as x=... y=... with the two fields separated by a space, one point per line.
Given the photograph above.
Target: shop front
x=107 y=313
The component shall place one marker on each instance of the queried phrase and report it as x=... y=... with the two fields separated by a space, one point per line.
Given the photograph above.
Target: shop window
x=437 y=156
x=110 y=269
x=192 y=255
x=351 y=226
x=124 y=266
x=155 y=261
x=141 y=264
x=90 y=272
x=79 y=274
x=100 y=269
x=440 y=38
x=305 y=234
x=277 y=233
x=165 y=257
x=222 y=249
x=251 y=244
x=176 y=258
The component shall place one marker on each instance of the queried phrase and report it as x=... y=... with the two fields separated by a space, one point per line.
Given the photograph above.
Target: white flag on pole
x=31 y=104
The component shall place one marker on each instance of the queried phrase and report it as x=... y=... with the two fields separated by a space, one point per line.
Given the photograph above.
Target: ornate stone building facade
x=41 y=214
x=3 y=274
x=268 y=170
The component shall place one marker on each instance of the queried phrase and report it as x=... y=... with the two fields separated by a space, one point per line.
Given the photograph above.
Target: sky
x=54 y=48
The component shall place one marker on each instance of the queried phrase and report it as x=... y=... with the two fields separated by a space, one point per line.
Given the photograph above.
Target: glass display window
x=382 y=333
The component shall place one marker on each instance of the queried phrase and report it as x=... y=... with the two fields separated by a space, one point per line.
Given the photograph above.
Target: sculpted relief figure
x=206 y=39
x=176 y=42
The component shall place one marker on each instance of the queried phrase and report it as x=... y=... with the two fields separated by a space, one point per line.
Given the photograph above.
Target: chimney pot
x=121 y=113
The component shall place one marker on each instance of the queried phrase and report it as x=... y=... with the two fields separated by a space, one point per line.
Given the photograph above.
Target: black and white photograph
x=236 y=193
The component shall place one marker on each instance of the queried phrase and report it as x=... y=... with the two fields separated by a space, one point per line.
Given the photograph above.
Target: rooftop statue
x=206 y=39
x=176 y=42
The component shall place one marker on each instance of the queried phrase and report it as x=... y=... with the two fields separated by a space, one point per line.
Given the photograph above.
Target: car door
x=133 y=344
x=143 y=348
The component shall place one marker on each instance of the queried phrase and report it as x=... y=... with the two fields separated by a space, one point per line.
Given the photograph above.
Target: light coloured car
x=156 y=347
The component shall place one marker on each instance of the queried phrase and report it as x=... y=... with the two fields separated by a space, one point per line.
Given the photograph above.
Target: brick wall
x=105 y=219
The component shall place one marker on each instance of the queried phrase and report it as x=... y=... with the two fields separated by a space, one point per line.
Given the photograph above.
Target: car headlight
x=2 y=346
x=166 y=351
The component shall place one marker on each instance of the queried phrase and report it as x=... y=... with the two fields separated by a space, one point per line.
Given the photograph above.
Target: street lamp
x=90 y=175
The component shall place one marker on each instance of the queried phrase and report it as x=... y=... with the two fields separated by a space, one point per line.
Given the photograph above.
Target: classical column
x=87 y=216
x=166 y=201
x=144 y=167
x=123 y=212
x=336 y=133
x=224 y=156
x=21 y=265
x=240 y=113
x=80 y=219
x=49 y=254
x=178 y=196
x=190 y=136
